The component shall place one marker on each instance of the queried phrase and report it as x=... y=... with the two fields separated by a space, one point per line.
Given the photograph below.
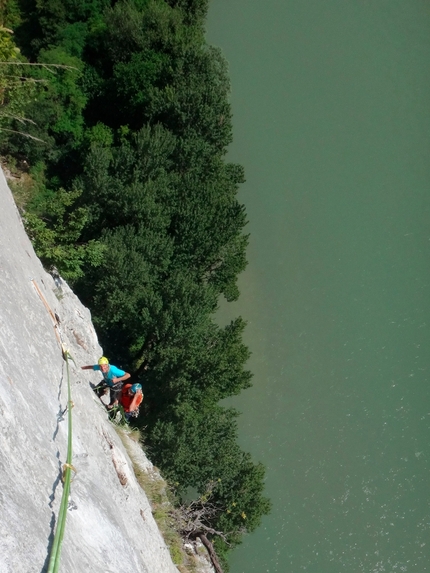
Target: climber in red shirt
x=131 y=398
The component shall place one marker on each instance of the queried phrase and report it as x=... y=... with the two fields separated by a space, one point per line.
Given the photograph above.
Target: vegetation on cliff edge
x=131 y=197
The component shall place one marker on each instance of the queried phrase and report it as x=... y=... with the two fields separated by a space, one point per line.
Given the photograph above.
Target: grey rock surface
x=109 y=527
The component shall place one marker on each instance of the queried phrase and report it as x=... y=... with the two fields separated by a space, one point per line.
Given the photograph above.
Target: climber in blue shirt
x=113 y=376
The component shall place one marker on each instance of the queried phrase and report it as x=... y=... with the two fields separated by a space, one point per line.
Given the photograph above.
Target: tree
x=55 y=244
x=194 y=445
x=16 y=88
x=194 y=10
x=193 y=520
x=198 y=446
x=138 y=206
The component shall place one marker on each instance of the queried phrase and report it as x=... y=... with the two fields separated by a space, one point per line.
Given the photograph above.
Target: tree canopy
x=135 y=203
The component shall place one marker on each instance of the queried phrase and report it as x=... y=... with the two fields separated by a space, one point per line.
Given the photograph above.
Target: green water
x=331 y=104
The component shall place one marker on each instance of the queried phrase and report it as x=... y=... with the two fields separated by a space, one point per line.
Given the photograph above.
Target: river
x=331 y=104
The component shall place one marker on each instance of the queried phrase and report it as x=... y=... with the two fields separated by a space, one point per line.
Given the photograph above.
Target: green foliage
x=194 y=445
x=16 y=89
x=133 y=82
x=64 y=93
x=10 y=15
x=137 y=205
x=198 y=446
x=201 y=363
x=99 y=135
x=54 y=236
x=51 y=106
x=241 y=494
x=194 y=10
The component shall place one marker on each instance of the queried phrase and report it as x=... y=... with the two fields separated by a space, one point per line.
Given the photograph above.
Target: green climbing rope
x=54 y=560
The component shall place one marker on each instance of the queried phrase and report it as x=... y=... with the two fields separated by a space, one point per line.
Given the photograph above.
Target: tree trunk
x=211 y=551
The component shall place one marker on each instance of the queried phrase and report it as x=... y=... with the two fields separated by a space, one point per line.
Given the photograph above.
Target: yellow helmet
x=103 y=360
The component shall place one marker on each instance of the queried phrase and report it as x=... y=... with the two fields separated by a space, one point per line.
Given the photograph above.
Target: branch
x=210 y=549
x=195 y=518
x=24 y=78
x=22 y=133
x=193 y=521
x=17 y=118
x=46 y=66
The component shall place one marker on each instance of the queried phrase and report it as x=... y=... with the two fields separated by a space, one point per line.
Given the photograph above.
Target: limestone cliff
x=109 y=525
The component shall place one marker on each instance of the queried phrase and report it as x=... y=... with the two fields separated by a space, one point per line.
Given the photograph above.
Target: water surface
x=331 y=104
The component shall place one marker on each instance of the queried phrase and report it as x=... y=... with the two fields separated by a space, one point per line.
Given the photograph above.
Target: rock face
x=109 y=525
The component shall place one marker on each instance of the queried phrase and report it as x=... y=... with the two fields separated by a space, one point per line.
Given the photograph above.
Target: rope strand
x=54 y=560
